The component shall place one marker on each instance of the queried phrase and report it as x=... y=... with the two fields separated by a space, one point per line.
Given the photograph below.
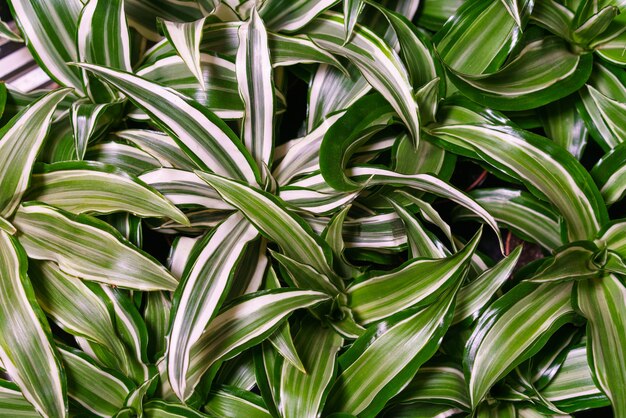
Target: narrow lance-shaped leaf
x=303 y=394
x=231 y=402
x=610 y=174
x=440 y=382
x=475 y=295
x=50 y=29
x=512 y=329
x=548 y=170
x=601 y=301
x=20 y=141
x=293 y=236
x=564 y=125
x=89 y=187
x=351 y=11
x=103 y=39
x=371 y=376
x=89 y=120
x=26 y=348
x=157 y=408
x=544 y=71
x=7 y=33
x=97 y=390
x=417 y=283
x=378 y=63
x=81 y=310
x=292 y=16
x=206 y=139
x=244 y=324
x=203 y=288
x=185 y=37
x=518 y=9
x=88 y=248
x=256 y=88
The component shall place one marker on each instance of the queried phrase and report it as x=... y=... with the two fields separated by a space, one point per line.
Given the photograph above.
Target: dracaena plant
x=306 y=163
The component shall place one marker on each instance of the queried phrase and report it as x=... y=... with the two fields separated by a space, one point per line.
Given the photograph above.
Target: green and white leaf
x=185 y=37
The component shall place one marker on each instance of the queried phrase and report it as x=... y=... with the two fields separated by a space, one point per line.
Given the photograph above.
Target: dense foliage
x=307 y=166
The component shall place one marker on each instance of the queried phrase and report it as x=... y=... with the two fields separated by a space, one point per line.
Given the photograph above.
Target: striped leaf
x=207 y=140
x=610 y=174
x=281 y=16
x=303 y=276
x=50 y=29
x=84 y=311
x=157 y=408
x=547 y=170
x=564 y=125
x=512 y=329
x=203 y=288
x=601 y=301
x=517 y=9
x=416 y=283
x=555 y=17
x=421 y=243
x=185 y=37
x=351 y=11
x=526 y=216
x=90 y=120
x=264 y=211
x=26 y=349
x=244 y=324
x=573 y=388
x=156 y=314
x=230 y=402
x=13 y=403
x=544 y=71
x=158 y=145
x=88 y=248
x=89 y=187
x=437 y=382
x=303 y=394
x=575 y=261
x=103 y=39
x=126 y=157
x=377 y=62
x=370 y=376
x=100 y=392
x=478 y=37
x=474 y=296
x=143 y=16
x=20 y=141
x=256 y=88
x=7 y=33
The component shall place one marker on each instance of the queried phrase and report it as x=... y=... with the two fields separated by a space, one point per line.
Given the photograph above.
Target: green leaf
x=548 y=170
x=256 y=88
x=281 y=16
x=83 y=311
x=370 y=376
x=264 y=211
x=244 y=324
x=518 y=9
x=92 y=188
x=157 y=408
x=126 y=157
x=376 y=61
x=88 y=248
x=512 y=329
x=50 y=29
x=572 y=388
x=303 y=394
x=421 y=243
x=555 y=17
x=143 y=15
x=185 y=37
x=610 y=174
x=562 y=124
x=601 y=301
x=478 y=37
x=526 y=216
x=230 y=402
x=575 y=261
x=544 y=71
x=13 y=403
x=90 y=120
x=20 y=141
x=416 y=283
x=475 y=295
x=303 y=276
x=26 y=349
x=595 y=25
x=103 y=39
x=207 y=140
x=204 y=286
x=156 y=314
x=100 y=392
x=351 y=11
x=437 y=382
x=158 y=145
x=7 y=33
